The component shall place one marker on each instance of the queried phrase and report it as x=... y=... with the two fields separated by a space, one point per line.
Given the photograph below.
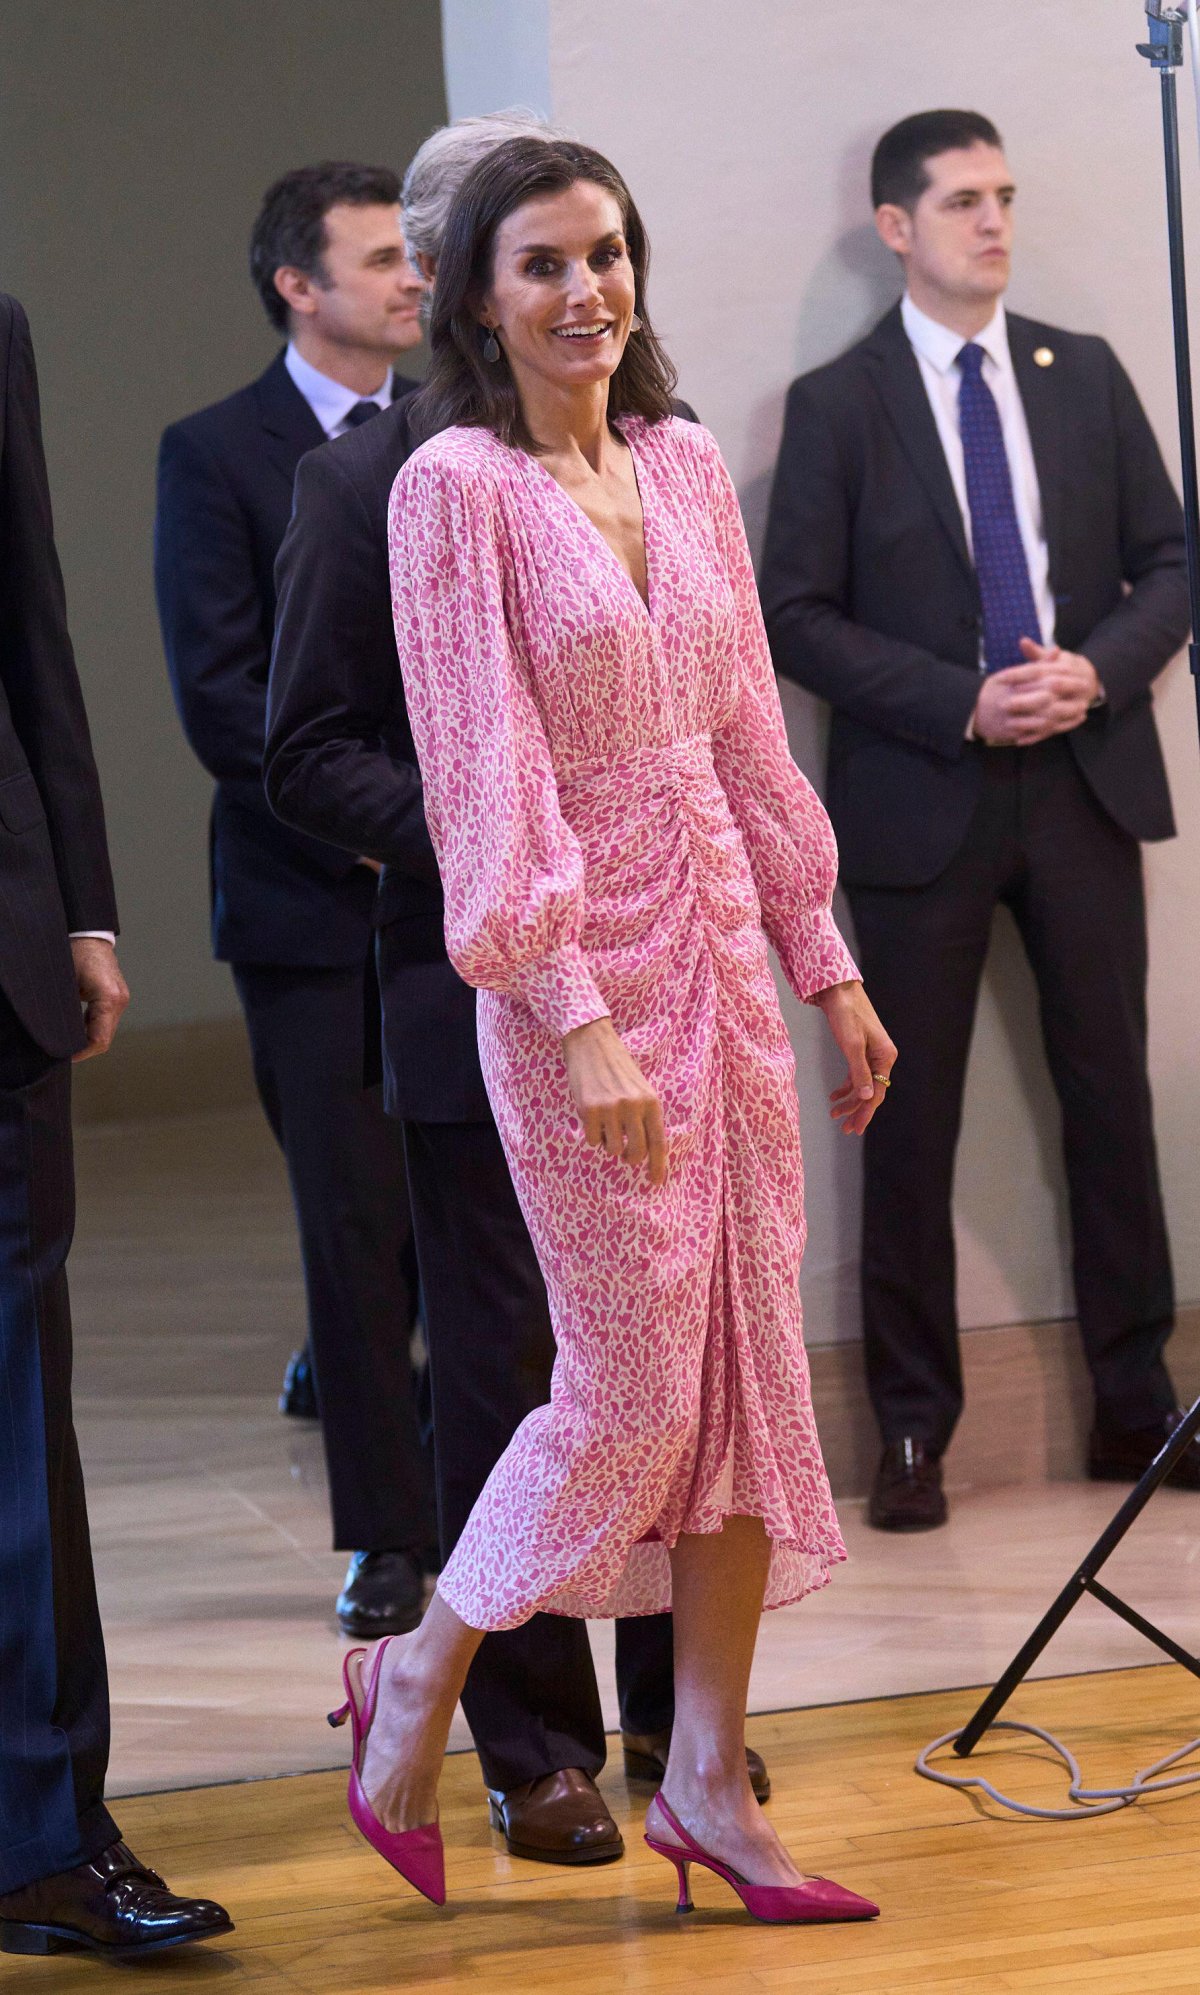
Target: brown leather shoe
x=560 y=1818
x=907 y=1493
x=646 y=1760
x=112 y=1906
x=1125 y=1456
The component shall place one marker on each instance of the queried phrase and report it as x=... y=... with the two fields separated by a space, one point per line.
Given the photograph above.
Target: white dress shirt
x=937 y=349
x=329 y=401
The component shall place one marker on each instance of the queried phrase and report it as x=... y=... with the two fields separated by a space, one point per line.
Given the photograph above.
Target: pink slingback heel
x=817 y=1902
x=416 y=1853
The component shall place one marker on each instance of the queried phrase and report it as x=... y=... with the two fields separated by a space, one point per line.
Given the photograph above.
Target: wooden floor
x=971 y=1900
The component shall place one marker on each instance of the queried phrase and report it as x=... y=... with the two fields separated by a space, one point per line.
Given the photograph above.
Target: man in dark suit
x=291 y=914
x=66 y=1878
x=974 y=553
x=341 y=764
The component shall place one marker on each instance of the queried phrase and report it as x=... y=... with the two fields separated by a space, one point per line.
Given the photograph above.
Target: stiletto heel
x=818 y=1901
x=683 y=1867
x=416 y=1853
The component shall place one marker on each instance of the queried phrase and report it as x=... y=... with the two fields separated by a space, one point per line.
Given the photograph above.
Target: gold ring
x=883 y=1080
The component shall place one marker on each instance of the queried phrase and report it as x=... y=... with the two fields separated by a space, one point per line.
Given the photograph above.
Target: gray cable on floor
x=1087 y=1801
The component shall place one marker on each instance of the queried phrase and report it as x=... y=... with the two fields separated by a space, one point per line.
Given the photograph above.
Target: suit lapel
x=290 y=428
x=906 y=405
x=1041 y=392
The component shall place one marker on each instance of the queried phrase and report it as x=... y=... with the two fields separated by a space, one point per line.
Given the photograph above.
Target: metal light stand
x=1164 y=51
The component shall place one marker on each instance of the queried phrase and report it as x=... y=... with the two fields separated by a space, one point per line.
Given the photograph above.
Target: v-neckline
x=644 y=603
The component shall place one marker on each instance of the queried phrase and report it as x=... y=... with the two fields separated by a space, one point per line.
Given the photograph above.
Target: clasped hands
x=622 y=1114
x=1050 y=693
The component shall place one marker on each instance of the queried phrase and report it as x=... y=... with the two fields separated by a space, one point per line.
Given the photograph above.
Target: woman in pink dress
x=620 y=828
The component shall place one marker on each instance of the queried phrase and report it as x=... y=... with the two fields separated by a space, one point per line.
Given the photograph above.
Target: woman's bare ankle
x=408 y=1676
x=708 y=1781
x=426 y=1672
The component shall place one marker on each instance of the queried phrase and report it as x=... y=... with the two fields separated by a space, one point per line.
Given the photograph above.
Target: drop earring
x=635 y=324
x=491 y=347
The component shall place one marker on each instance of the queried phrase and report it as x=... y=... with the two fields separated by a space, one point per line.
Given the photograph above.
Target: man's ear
x=296 y=289
x=894 y=225
x=427 y=265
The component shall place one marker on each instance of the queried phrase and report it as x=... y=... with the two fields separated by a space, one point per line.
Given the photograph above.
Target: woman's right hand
x=619 y=1110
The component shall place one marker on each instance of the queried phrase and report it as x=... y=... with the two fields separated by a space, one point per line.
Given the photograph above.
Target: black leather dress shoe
x=560 y=1818
x=646 y=1761
x=907 y=1493
x=1125 y=1457
x=112 y=1906
x=383 y=1594
x=299 y=1395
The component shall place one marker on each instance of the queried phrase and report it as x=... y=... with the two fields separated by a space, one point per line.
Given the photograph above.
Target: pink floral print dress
x=618 y=820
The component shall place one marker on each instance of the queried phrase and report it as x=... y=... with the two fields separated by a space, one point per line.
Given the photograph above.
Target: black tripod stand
x=1164 y=51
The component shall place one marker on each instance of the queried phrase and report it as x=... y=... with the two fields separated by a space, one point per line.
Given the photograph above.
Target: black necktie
x=360 y=413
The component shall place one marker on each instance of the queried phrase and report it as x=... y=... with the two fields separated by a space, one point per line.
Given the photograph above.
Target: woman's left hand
x=870 y=1055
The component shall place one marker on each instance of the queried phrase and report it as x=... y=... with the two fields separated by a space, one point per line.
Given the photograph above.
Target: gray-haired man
x=341 y=764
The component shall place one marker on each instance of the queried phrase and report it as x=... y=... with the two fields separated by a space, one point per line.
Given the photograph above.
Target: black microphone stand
x=1164 y=52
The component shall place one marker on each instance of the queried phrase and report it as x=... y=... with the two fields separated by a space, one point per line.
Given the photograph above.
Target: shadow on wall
x=851 y=286
x=848 y=292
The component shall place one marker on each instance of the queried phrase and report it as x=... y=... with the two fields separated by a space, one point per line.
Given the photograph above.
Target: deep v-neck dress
x=620 y=827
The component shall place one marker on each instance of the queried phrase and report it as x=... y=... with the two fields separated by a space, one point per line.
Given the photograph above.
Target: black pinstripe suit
x=54 y=878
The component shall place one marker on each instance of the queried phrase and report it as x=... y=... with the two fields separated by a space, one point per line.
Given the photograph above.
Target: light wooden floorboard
x=972 y=1900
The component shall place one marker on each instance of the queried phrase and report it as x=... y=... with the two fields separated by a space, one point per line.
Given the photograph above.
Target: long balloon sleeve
x=788 y=837
x=511 y=868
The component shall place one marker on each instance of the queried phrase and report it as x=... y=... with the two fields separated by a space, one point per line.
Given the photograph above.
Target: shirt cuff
x=561 y=991
x=92 y=935
x=821 y=960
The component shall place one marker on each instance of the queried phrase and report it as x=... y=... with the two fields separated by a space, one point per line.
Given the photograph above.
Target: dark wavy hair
x=461 y=386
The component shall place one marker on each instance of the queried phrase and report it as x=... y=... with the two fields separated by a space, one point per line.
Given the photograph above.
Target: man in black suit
x=975 y=554
x=291 y=914
x=341 y=764
x=66 y=1878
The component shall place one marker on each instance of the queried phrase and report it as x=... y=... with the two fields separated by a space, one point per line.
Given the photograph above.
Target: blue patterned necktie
x=1009 y=610
x=361 y=413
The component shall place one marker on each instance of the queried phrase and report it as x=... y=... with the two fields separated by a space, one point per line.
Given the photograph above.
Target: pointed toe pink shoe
x=818 y=1901
x=416 y=1853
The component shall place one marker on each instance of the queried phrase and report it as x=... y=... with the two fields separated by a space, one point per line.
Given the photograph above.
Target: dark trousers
x=345 y=1161
x=53 y=1682
x=1040 y=844
x=530 y=1697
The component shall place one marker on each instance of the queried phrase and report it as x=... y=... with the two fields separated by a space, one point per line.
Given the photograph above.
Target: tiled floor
x=210 y=1528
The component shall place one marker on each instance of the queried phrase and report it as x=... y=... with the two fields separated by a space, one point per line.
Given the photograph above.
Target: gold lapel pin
x=1043 y=356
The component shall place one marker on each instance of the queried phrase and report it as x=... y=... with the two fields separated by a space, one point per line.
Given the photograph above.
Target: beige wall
x=136 y=140
x=745 y=132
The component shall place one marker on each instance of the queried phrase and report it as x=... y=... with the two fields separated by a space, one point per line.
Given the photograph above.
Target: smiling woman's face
x=562 y=291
